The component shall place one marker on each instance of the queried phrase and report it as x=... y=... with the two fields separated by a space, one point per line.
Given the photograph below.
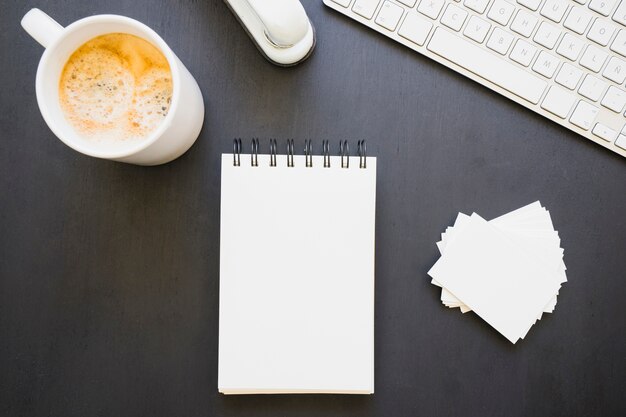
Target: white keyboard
x=564 y=59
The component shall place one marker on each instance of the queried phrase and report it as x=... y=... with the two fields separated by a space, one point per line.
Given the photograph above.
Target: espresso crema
x=116 y=87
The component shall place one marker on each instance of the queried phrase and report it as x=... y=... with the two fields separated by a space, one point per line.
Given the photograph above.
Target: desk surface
x=109 y=272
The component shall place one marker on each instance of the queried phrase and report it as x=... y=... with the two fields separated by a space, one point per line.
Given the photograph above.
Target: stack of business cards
x=508 y=270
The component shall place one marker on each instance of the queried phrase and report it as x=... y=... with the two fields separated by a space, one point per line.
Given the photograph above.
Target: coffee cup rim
x=150 y=36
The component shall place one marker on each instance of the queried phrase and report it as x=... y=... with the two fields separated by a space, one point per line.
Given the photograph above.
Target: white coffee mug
x=178 y=130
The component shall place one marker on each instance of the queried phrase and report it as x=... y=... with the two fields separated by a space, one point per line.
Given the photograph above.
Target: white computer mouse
x=280 y=29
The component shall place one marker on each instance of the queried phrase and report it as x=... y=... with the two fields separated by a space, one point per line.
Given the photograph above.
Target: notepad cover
x=296 y=277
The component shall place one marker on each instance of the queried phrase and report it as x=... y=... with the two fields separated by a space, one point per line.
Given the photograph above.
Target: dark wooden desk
x=109 y=272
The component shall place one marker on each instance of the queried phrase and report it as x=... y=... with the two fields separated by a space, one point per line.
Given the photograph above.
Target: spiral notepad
x=297 y=271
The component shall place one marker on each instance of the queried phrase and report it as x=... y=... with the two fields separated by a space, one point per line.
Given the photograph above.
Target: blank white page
x=297 y=277
x=472 y=271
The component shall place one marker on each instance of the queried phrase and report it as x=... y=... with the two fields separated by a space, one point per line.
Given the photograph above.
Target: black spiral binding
x=308 y=153
x=326 y=153
x=254 y=155
x=344 y=153
x=290 y=153
x=362 y=149
x=237 y=152
x=273 y=147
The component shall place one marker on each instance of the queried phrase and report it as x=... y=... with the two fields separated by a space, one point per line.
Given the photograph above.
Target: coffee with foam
x=116 y=87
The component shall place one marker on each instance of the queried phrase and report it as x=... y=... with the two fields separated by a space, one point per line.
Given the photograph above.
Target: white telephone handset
x=280 y=29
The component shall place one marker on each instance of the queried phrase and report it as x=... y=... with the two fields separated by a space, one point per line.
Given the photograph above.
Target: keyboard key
x=344 y=3
x=568 y=76
x=603 y=7
x=523 y=52
x=584 y=115
x=558 y=101
x=415 y=28
x=593 y=58
x=570 y=47
x=501 y=12
x=478 y=6
x=601 y=32
x=554 y=9
x=621 y=141
x=531 y=4
x=476 y=29
x=615 y=70
x=619 y=44
x=614 y=99
x=409 y=3
x=365 y=8
x=454 y=17
x=592 y=88
x=431 y=8
x=486 y=65
x=500 y=41
x=547 y=35
x=389 y=15
x=524 y=23
x=577 y=20
x=546 y=64
x=620 y=14
x=581 y=1
x=604 y=132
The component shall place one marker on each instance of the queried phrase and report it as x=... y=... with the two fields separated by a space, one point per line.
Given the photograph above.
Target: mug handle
x=41 y=27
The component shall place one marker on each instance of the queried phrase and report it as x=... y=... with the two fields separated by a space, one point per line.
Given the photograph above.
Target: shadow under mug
x=173 y=137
